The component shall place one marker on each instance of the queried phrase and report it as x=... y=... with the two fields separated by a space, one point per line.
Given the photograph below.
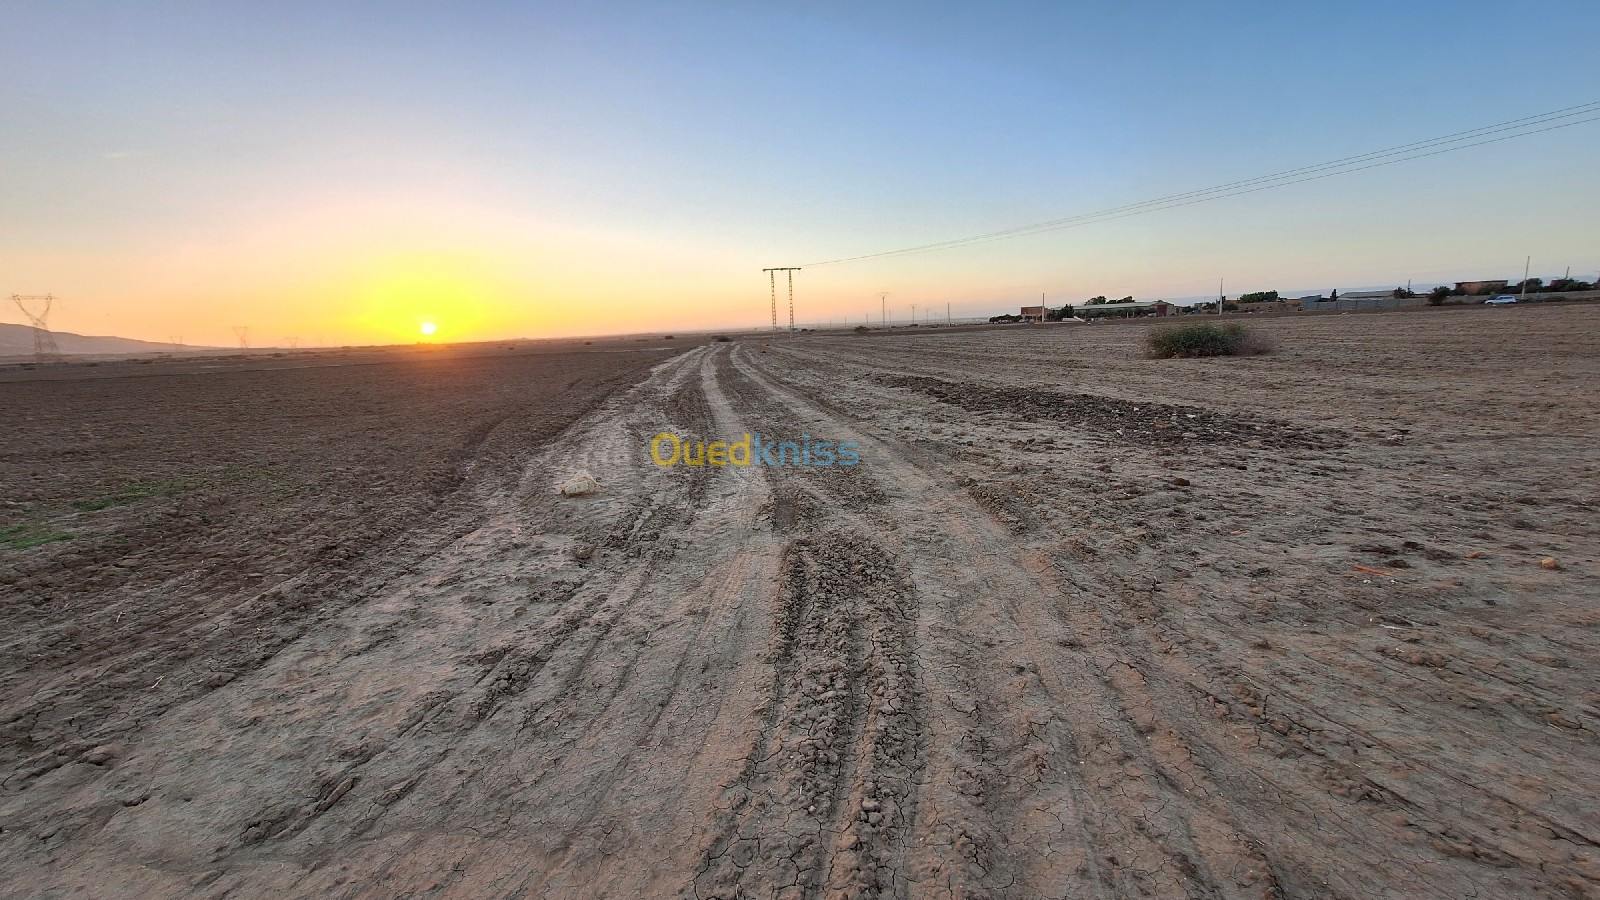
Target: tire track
x=1086 y=747
x=828 y=787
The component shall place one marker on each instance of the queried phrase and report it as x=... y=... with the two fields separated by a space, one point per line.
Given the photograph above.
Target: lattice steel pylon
x=772 y=280
x=44 y=345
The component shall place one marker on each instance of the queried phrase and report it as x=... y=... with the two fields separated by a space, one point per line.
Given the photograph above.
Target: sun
x=428 y=328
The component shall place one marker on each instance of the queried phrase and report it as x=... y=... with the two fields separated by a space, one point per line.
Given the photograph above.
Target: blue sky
x=327 y=169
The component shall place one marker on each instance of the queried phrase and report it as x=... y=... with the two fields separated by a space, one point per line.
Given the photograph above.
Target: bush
x=722 y=339
x=1206 y=339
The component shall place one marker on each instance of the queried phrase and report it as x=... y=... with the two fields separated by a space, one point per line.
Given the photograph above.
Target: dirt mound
x=1146 y=423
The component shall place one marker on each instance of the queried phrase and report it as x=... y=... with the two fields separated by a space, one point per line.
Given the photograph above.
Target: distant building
x=1033 y=314
x=1368 y=295
x=1481 y=287
x=1125 y=310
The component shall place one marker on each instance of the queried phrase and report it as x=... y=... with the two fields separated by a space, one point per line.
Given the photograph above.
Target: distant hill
x=17 y=340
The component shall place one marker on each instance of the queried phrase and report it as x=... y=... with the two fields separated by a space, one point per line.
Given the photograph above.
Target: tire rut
x=1084 y=745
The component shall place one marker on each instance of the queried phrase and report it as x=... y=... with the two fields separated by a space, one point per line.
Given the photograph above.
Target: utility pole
x=1220 y=296
x=947 y=319
x=1525 y=264
x=913 y=314
x=772 y=280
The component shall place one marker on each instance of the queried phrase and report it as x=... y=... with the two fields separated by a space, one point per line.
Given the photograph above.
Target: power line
x=1462 y=140
x=1459 y=136
x=1346 y=164
x=1108 y=218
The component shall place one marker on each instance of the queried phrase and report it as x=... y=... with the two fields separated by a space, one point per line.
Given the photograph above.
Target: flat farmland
x=1319 y=623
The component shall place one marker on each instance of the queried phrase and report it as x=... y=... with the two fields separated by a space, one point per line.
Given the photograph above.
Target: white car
x=1501 y=300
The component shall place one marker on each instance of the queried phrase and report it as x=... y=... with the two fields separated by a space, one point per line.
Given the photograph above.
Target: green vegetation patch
x=1206 y=339
x=134 y=491
x=28 y=535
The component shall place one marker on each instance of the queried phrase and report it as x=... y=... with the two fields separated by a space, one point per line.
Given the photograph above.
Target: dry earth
x=1080 y=624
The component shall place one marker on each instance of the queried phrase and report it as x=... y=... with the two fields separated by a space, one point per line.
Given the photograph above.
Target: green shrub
x=1206 y=339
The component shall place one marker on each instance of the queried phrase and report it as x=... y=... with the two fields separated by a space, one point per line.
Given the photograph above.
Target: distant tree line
x=1534 y=285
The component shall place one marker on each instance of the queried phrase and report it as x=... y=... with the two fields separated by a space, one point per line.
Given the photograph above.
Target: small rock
x=579 y=484
x=1549 y=562
x=1180 y=482
x=583 y=551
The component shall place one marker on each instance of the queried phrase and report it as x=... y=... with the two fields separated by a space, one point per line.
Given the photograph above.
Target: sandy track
x=1035 y=645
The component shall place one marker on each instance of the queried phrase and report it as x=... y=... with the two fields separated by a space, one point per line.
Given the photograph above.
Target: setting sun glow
x=428 y=328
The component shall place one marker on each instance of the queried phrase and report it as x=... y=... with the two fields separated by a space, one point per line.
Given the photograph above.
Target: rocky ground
x=1080 y=624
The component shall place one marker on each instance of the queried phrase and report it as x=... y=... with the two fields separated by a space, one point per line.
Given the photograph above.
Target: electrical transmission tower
x=883 y=308
x=44 y=345
x=242 y=332
x=772 y=278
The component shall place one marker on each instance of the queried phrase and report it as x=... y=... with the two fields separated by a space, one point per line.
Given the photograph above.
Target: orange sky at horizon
x=374 y=273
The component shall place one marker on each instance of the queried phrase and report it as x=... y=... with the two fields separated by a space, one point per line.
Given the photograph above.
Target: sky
x=343 y=173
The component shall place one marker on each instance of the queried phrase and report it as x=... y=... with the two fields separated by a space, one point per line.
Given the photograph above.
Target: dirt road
x=1079 y=624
